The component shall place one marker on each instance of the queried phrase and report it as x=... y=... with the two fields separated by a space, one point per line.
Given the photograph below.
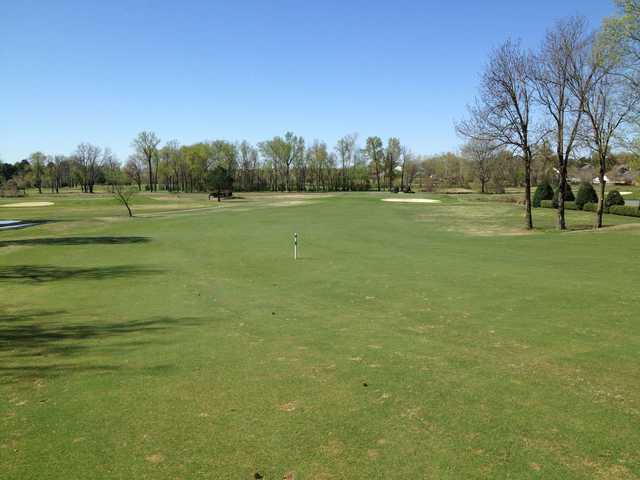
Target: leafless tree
x=481 y=154
x=134 y=169
x=608 y=103
x=87 y=156
x=564 y=49
x=503 y=112
x=146 y=145
x=407 y=159
x=122 y=191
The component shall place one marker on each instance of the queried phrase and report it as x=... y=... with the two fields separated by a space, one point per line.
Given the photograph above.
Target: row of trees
x=187 y=168
x=578 y=90
x=283 y=163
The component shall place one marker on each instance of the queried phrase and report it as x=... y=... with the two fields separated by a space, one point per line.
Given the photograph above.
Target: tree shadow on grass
x=103 y=240
x=50 y=273
x=37 y=344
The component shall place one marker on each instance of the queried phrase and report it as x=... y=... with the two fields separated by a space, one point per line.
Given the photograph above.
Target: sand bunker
x=626 y=193
x=411 y=200
x=28 y=204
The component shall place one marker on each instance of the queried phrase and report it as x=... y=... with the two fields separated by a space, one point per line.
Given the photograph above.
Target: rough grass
x=409 y=341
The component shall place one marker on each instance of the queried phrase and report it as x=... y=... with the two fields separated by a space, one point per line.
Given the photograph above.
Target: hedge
x=626 y=210
x=590 y=207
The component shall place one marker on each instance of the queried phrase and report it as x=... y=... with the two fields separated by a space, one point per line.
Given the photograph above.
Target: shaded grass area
x=103 y=240
x=407 y=342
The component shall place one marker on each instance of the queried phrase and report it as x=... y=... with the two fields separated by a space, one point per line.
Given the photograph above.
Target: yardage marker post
x=295 y=246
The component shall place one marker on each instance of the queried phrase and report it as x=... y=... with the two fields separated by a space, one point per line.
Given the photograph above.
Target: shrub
x=590 y=207
x=543 y=192
x=568 y=196
x=628 y=211
x=547 y=204
x=613 y=198
x=586 y=194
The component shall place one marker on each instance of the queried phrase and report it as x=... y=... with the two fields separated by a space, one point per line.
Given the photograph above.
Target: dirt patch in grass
x=300 y=196
x=288 y=407
x=155 y=458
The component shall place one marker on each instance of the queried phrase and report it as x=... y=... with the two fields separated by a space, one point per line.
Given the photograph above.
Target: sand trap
x=411 y=200
x=28 y=204
x=626 y=193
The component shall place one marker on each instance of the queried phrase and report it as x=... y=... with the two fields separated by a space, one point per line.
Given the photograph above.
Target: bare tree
x=503 y=112
x=407 y=159
x=609 y=101
x=134 y=169
x=481 y=154
x=87 y=156
x=564 y=47
x=146 y=145
x=122 y=191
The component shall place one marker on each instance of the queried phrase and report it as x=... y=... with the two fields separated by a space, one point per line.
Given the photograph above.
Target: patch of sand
x=28 y=204
x=411 y=200
x=626 y=193
x=299 y=196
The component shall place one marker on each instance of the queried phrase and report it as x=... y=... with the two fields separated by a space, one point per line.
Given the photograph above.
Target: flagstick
x=295 y=246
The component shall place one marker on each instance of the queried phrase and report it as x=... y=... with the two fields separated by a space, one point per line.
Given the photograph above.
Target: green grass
x=187 y=343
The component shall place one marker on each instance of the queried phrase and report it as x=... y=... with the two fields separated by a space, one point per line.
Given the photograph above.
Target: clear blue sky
x=101 y=71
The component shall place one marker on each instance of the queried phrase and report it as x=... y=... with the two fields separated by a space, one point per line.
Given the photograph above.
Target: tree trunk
x=562 y=224
x=527 y=190
x=150 y=174
x=600 y=213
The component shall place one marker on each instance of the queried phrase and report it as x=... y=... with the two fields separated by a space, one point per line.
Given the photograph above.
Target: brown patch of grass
x=155 y=458
x=288 y=407
x=333 y=448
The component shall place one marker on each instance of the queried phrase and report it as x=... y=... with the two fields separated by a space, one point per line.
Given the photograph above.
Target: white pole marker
x=295 y=246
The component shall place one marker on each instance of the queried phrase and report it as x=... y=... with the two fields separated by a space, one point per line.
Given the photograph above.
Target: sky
x=102 y=71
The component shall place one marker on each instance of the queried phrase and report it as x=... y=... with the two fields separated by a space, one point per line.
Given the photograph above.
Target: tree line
x=578 y=91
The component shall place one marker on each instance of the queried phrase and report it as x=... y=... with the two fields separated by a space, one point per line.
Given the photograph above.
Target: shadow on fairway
x=45 y=336
x=75 y=241
x=50 y=273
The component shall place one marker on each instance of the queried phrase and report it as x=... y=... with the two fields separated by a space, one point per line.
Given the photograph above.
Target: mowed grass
x=408 y=341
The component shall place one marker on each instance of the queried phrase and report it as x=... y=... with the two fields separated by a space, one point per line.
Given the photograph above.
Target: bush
x=590 y=207
x=543 y=192
x=613 y=198
x=628 y=211
x=568 y=196
x=547 y=204
x=586 y=194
